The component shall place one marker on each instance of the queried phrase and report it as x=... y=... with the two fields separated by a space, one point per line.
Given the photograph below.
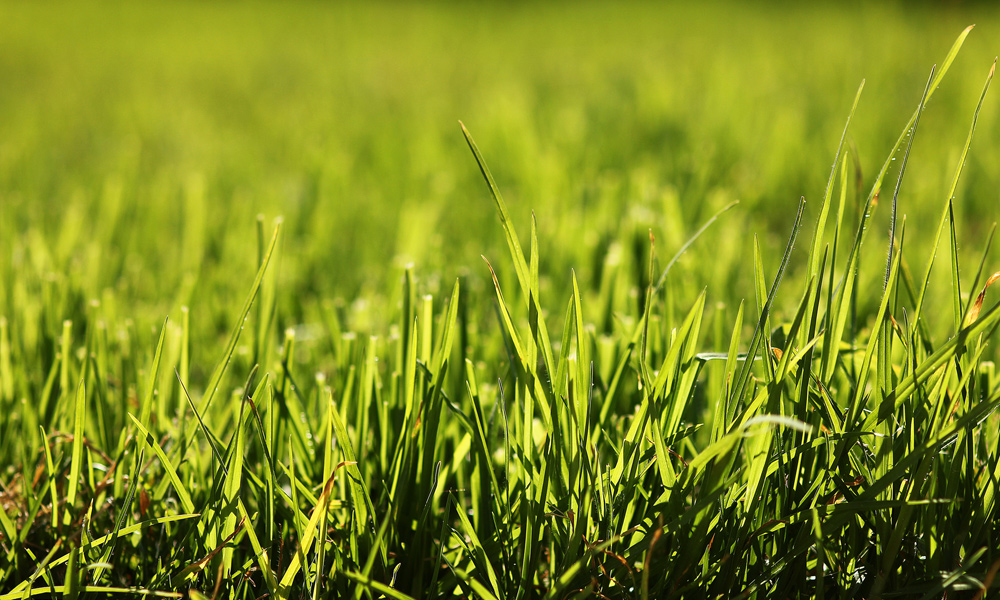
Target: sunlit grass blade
x=76 y=459
x=182 y=492
x=146 y=408
x=899 y=179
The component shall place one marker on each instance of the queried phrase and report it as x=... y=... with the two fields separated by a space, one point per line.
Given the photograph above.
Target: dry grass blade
x=977 y=306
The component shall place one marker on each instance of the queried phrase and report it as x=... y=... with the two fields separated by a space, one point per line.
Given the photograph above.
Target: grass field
x=273 y=323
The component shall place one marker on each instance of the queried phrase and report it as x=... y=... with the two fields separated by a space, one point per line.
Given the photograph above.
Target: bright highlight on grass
x=822 y=438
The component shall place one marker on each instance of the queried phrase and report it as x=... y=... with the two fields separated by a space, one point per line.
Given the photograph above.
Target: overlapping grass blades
x=821 y=464
x=832 y=453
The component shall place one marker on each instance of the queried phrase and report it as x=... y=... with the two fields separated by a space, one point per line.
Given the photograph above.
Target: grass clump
x=822 y=439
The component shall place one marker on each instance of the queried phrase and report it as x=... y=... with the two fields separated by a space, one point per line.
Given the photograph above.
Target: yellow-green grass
x=249 y=343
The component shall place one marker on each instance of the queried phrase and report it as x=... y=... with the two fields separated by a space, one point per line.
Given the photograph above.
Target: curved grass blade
x=690 y=241
x=520 y=264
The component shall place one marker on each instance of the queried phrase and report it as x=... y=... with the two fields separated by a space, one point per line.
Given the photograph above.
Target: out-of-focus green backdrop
x=139 y=141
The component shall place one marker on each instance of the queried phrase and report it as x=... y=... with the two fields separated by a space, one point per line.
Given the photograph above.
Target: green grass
x=608 y=352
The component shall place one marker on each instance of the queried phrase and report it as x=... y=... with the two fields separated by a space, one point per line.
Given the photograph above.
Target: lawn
x=502 y=301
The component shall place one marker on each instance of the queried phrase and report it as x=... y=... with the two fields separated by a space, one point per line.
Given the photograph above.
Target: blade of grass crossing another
x=127 y=531
x=935 y=81
x=328 y=469
x=866 y=212
x=523 y=352
x=182 y=492
x=953 y=347
x=366 y=569
x=758 y=335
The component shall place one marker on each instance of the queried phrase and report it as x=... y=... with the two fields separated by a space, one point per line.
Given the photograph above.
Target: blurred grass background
x=138 y=143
